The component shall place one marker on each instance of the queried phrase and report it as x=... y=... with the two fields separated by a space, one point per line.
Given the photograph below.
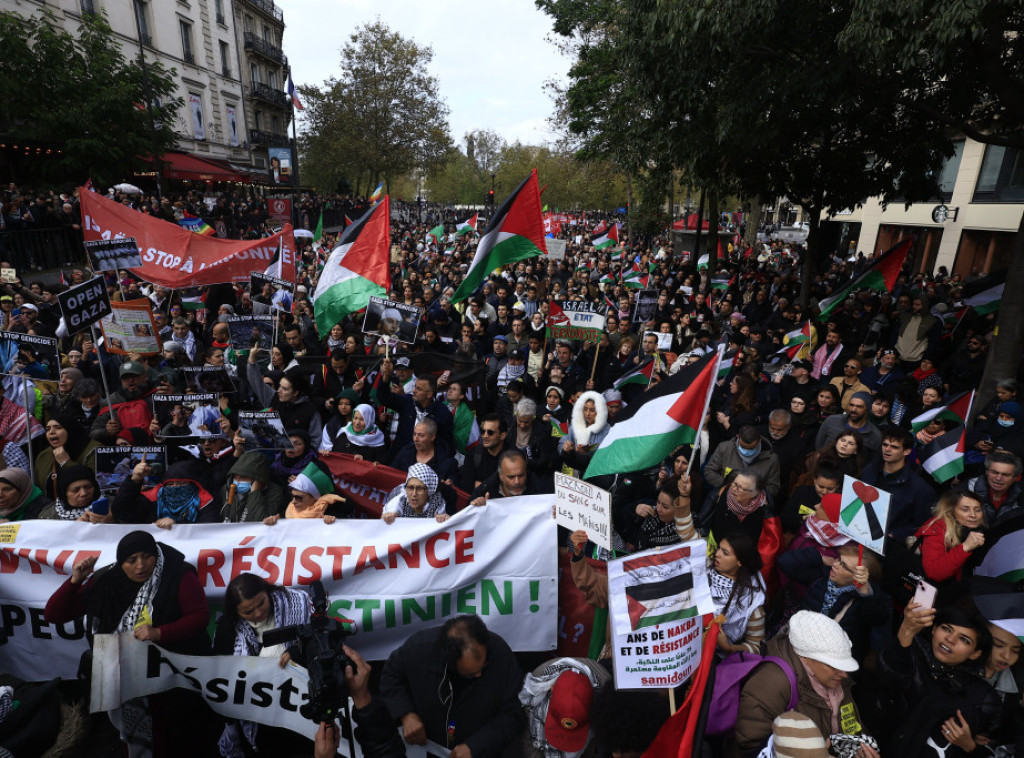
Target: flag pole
x=28 y=428
x=707 y=404
x=597 y=349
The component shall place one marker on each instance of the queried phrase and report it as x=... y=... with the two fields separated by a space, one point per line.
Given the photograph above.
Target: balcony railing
x=38 y=249
x=260 y=46
x=268 y=94
x=268 y=139
x=267 y=7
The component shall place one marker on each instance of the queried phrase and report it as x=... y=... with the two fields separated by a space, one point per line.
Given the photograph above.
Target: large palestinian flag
x=943 y=457
x=957 y=408
x=986 y=294
x=608 y=239
x=467 y=226
x=516 y=233
x=357 y=268
x=640 y=375
x=881 y=276
x=668 y=416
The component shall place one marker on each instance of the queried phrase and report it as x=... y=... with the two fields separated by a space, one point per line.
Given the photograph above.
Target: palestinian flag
x=607 y=279
x=282 y=266
x=1000 y=604
x=610 y=305
x=702 y=262
x=1005 y=559
x=347 y=281
x=435 y=235
x=192 y=302
x=725 y=366
x=943 y=457
x=986 y=294
x=195 y=224
x=467 y=226
x=663 y=598
x=881 y=276
x=721 y=283
x=634 y=276
x=559 y=430
x=797 y=344
x=318 y=233
x=671 y=415
x=642 y=375
x=957 y=409
x=516 y=233
x=608 y=239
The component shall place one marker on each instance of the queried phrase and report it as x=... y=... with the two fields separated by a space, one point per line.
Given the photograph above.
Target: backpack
x=730 y=676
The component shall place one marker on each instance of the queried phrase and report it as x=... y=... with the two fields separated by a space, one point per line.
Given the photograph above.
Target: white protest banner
x=579 y=505
x=556 y=249
x=574 y=320
x=864 y=513
x=8 y=275
x=656 y=599
x=391 y=579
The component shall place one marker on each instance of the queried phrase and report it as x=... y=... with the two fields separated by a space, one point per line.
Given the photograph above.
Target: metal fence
x=38 y=249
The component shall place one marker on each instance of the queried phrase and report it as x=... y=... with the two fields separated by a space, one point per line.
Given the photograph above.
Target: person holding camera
x=253 y=606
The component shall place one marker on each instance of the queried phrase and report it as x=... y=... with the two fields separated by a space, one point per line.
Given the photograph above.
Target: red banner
x=366 y=485
x=175 y=257
x=280 y=209
x=575 y=614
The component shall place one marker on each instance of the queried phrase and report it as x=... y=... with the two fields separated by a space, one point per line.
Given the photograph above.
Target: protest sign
x=129 y=328
x=249 y=330
x=164 y=405
x=582 y=628
x=207 y=379
x=113 y=254
x=664 y=340
x=30 y=355
x=115 y=464
x=864 y=513
x=391 y=579
x=175 y=257
x=574 y=320
x=646 y=306
x=266 y=429
x=656 y=599
x=579 y=505
x=391 y=320
x=8 y=276
x=270 y=293
x=84 y=304
x=556 y=249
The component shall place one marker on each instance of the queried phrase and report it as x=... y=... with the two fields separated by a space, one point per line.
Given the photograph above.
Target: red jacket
x=939 y=563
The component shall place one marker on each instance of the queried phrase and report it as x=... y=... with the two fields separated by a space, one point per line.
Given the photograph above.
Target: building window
x=88 y=7
x=186 y=42
x=254 y=73
x=1001 y=179
x=225 y=59
x=950 y=168
x=142 y=21
x=257 y=117
x=275 y=125
x=248 y=23
x=218 y=7
x=272 y=79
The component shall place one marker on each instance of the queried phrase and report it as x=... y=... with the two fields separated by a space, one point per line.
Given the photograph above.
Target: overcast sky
x=491 y=59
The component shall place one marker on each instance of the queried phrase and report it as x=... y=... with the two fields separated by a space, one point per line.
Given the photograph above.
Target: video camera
x=320 y=645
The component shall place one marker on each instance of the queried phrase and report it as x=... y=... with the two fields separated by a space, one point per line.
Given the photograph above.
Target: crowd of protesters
x=876 y=671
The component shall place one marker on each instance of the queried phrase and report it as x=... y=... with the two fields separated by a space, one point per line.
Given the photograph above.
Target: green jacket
x=266 y=498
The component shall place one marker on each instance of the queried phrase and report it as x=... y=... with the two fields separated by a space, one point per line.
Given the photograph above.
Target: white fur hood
x=580 y=431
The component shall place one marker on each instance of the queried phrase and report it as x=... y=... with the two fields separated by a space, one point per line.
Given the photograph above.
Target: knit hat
x=794 y=735
x=313 y=480
x=75 y=473
x=173 y=347
x=73 y=373
x=867 y=397
x=816 y=636
x=568 y=721
x=1012 y=408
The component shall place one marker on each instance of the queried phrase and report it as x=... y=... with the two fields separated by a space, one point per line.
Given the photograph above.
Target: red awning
x=184 y=166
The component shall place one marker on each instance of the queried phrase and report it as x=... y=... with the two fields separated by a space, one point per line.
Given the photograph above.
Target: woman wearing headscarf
x=345 y=403
x=20 y=500
x=313 y=497
x=417 y=498
x=69 y=443
x=362 y=438
x=57 y=403
x=288 y=464
x=153 y=594
x=77 y=489
x=589 y=426
x=252 y=607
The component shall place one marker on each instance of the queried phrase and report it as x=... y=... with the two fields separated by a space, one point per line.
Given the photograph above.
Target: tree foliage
x=79 y=94
x=381 y=119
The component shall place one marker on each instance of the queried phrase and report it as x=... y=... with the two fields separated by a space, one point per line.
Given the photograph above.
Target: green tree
x=79 y=94
x=960 y=66
x=381 y=119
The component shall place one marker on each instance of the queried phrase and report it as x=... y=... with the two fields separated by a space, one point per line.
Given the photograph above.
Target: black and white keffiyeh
x=144 y=597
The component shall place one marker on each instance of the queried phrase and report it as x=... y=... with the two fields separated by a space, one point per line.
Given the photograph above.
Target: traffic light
x=490 y=197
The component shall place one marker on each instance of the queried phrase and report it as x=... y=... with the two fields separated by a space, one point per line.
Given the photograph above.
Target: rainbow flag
x=195 y=224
